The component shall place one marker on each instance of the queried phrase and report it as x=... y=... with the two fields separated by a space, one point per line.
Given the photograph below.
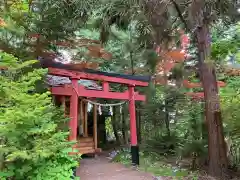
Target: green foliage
x=185 y=120
x=109 y=127
x=32 y=144
x=162 y=144
x=123 y=156
x=122 y=44
x=52 y=20
x=60 y=168
x=230 y=98
x=226 y=41
x=225 y=44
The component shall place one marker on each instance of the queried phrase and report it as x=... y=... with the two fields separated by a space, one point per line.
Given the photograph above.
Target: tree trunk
x=216 y=147
x=102 y=130
x=124 y=126
x=204 y=123
x=114 y=125
x=166 y=119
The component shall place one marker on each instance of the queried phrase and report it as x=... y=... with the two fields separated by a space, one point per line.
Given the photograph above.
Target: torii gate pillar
x=133 y=127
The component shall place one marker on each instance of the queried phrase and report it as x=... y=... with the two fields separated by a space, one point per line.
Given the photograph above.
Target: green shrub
x=161 y=143
x=32 y=144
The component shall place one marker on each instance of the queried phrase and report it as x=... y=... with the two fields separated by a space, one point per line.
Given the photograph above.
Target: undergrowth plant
x=230 y=97
x=33 y=146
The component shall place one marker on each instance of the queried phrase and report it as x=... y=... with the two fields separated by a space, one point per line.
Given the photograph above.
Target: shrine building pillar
x=73 y=123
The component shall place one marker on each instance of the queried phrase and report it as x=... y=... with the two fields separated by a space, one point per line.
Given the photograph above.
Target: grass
x=154 y=165
x=158 y=168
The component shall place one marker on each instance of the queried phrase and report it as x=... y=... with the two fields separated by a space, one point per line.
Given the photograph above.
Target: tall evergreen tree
x=156 y=21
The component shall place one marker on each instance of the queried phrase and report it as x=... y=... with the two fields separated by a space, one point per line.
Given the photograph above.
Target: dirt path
x=101 y=169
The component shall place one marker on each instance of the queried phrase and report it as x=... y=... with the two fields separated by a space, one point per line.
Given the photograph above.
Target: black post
x=135 y=155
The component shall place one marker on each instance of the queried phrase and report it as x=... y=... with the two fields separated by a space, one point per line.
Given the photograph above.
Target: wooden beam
x=97 y=77
x=61 y=90
x=85 y=121
x=82 y=92
x=95 y=126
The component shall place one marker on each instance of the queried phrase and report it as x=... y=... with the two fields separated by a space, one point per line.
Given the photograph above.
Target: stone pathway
x=100 y=168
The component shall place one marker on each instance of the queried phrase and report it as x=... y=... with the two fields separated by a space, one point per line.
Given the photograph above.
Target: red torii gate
x=74 y=90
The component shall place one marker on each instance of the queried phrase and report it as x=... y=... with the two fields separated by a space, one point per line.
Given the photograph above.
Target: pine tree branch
x=177 y=8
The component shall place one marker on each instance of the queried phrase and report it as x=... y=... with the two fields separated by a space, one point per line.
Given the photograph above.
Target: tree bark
x=102 y=130
x=124 y=126
x=204 y=123
x=114 y=125
x=166 y=119
x=218 y=161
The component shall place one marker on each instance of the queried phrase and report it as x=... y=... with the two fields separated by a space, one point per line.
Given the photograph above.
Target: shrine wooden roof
x=58 y=65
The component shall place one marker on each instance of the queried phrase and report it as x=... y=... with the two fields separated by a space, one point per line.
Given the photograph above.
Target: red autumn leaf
x=221 y=84
x=96 y=48
x=3 y=68
x=167 y=66
x=92 y=65
x=197 y=95
x=34 y=35
x=2 y=23
x=159 y=80
x=176 y=55
x=85 y=41
x=188 y=84
x=94 y=54
x=106 y=56
x=63 y=43
x=184 y=41
x=158 y=50
x=78 y=66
